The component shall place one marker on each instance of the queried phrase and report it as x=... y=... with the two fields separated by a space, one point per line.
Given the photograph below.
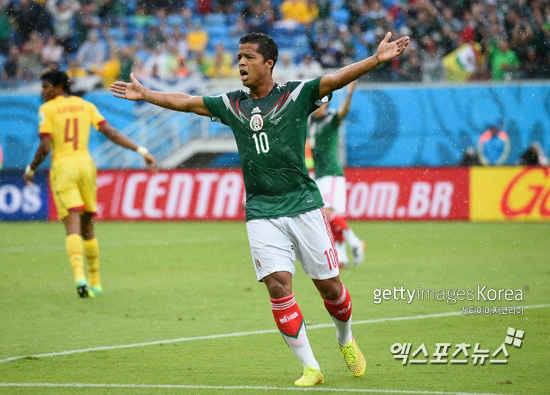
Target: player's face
x=48 y=91
x=252 y=66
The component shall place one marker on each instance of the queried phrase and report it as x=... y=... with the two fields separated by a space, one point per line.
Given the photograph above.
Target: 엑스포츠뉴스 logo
x=458 y=353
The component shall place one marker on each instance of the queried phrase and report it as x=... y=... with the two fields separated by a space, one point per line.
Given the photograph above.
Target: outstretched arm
x=118 y=138
x=386 y=51
x=344 y=109
x=173 y=101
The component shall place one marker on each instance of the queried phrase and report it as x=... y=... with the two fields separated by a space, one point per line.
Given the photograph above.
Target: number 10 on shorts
x=332 y=259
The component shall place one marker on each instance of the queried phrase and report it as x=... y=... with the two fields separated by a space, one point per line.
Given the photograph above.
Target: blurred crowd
x=100 y=41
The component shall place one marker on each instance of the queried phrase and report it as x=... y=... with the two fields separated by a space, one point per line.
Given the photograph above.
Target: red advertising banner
x=373 y=194
x=408 y=193
x=169 y=195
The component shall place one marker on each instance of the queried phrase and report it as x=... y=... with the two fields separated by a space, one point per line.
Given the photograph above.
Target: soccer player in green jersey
x=323 y=133
x=285 y=219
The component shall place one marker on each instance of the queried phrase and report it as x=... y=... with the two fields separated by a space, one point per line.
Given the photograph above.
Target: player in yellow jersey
x=64 y=129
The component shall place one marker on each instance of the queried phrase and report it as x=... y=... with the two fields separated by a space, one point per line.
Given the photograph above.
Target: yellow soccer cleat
x=354 y=358
x=83 y=290
x=310 y=377
x=97 y=289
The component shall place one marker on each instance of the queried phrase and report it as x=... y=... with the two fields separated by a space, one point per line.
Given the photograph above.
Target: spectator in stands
x=12 y=72
x=157 y=63
x=450 y=28
x=260 y=19
x=309 y=68
x=142 y=17
x=470 y=158
x=295 y=13
x=63 y=13
x=86 y=21
x=92 y=53
x=534 y=67
x=224 y=6
x=522 y=37
x=347 y=47
x=199 y=63
x=432 y=65
x=286 y=69
x=30 y=61
x=178 y=41
x=5 y=30
x=183 y=70
x=493 y=145
x=28 y=16
x=534 y=156
x=52 y=51
x=111 y=12
x=110 y=71
x=197 y=39
x=127 y=61
x=220 y=64
x=504 y=61
x=154 y=37
x=75 y=71
x=203 y=7
x=410 y=67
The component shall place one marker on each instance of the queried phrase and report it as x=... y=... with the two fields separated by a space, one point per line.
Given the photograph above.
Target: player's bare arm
x=344 y=109
x=173 y=101
x=118 y=138
x=386 y=51
x=41 y=153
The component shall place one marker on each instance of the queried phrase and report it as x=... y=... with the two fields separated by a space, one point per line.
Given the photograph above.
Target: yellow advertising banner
x=510 y=194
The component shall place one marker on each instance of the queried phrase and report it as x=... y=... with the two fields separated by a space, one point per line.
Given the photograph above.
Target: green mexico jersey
x=323 y=137
x=270 y=133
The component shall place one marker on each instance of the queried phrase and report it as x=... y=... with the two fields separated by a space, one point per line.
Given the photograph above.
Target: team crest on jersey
x=256 y=122
x=258 y=263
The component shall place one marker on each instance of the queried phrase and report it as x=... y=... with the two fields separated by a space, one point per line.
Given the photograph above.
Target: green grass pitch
x=182 y=311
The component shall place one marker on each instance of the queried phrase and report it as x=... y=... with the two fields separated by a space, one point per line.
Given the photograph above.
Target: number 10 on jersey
x=262 y=144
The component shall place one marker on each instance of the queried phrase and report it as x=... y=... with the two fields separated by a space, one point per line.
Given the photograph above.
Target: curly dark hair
x=57 y=78
x=267 y=47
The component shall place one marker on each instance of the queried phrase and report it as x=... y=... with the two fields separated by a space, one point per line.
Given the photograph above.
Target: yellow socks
x=73 y=244
x=92 y=257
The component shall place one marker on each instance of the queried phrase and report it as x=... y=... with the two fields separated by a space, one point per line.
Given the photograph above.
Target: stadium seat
x=340 y=16
x=176 y=19
x=215 y=19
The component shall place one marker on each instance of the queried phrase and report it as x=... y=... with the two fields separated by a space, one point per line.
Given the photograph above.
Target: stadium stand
x=467 y=37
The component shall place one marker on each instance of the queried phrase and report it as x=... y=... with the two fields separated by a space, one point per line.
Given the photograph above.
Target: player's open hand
x=128 y=90
x=388 y=50
x=151 y=162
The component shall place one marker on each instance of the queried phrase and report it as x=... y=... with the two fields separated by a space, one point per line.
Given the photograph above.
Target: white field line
x=239 y=334
x=238 y=387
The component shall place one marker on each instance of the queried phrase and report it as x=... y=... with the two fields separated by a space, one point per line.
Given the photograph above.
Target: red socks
x=287 y=315
x=340 y=308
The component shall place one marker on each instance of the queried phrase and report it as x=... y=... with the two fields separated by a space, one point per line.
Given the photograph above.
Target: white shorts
x=333 y=190
x=276 y=244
